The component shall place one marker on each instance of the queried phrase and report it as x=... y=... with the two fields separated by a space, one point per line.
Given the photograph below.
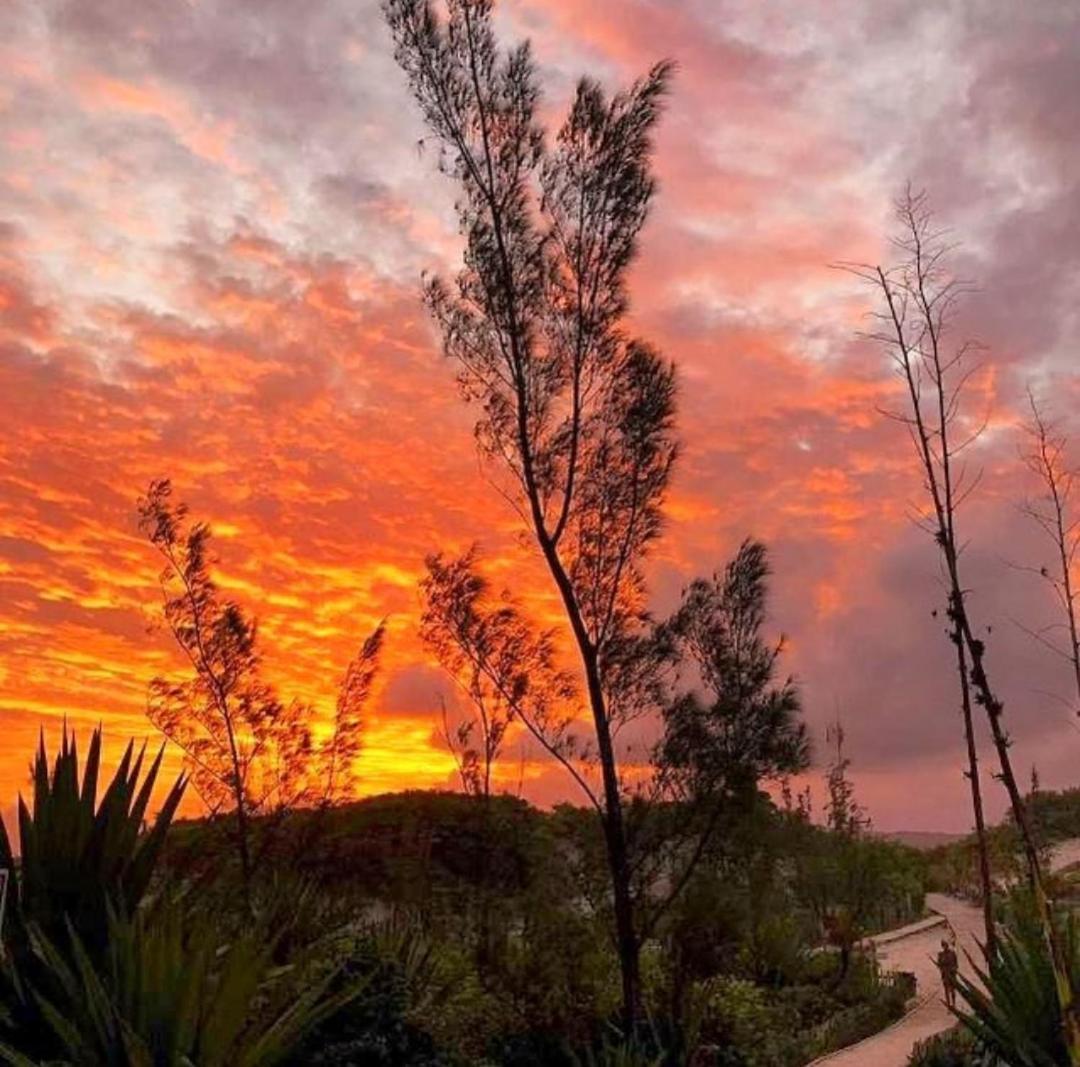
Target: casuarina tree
x=577 y=411
x=248 y=751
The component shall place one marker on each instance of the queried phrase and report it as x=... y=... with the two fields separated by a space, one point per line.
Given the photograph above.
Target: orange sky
x=213 y=220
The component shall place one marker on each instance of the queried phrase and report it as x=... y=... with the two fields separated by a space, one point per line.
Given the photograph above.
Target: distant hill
x=923 y=840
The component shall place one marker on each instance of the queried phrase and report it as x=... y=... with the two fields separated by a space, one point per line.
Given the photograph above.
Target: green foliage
x=732 y=977
x=1055 y=814
x=954 y=1048
x=79 y=857
x=616 y=1051
x=884 y=1005
x=405 y=980
x=169 y=993
x=741 y=1023
x=1054 y=817
x=1012 y=1008
x=855 y=886
x=753 y=1028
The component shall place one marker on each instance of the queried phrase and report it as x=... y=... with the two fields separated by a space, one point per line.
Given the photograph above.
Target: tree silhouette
x=750 y=730
x=578 y=413
x=716 y=751
x=919 y=296
x=246 y=750
x=1052 y=510
x=504 y=666
x=843 y=813
x=508 y=672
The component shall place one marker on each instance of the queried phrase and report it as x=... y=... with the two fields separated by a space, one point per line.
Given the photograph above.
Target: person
x=949 y=965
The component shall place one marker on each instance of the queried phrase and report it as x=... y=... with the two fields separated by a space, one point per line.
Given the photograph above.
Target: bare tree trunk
x=1046 y=462
x=243 y=845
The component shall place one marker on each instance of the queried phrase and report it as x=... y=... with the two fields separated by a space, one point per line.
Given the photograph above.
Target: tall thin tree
x=579 y=413
x=919 y=297
x=247 y=751
x=932 y=424
x=1052 y=510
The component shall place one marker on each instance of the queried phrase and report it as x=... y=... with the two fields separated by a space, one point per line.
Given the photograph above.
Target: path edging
x=920 y=927
x=917 y=1005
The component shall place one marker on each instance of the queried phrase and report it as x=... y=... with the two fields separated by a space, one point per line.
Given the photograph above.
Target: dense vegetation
x=420 y=928
x=1055 y=817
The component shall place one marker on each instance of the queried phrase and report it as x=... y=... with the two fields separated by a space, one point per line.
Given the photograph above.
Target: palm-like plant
x=1012 y=1006
x=168 y=993
x=78 y=857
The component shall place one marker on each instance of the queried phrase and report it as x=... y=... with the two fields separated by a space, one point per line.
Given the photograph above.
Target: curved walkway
x=913 y=949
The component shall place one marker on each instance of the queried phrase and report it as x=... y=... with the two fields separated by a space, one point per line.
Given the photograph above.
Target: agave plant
x=79 y=857
x=1012 y=1005
x=168 y=993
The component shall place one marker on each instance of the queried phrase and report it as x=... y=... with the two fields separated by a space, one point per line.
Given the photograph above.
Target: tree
x=508 y=672
x=843 y=813
x=1052 y=511
x=850 y=878
x=718 y=750
x=247 y=751
x=578 y=413
x=507 y=669
x=919 y=296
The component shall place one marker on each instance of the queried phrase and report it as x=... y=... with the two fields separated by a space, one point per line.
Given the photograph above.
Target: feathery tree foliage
x=1053 y=511
x=246 y=749
x=505 y=668
x=579 y=414
x=719 y=745
x=750 y=730
x=507 y=672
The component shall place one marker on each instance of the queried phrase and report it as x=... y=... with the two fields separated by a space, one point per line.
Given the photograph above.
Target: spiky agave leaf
x=79 y=855
x=170 y=994
x=1012 y=1005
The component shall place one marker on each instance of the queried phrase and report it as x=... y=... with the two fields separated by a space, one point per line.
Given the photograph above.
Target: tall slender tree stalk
x=1052 y=511
x=578 y=413
x=919 y=298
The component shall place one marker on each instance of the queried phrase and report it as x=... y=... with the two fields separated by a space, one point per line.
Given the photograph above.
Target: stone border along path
x=913 y=948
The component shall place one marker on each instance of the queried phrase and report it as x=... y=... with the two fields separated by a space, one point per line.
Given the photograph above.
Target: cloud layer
x=213 y=219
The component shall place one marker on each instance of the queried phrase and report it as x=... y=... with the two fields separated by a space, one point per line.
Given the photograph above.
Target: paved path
x=914 y=951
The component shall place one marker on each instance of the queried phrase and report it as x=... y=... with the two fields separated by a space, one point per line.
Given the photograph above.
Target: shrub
x=79 y=858
x=954 y=1048
x=753 y=1031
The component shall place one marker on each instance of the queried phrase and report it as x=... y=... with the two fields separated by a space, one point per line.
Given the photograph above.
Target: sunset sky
x=214 y=217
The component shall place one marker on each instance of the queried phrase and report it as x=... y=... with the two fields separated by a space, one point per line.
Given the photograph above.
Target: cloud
x=213 y=220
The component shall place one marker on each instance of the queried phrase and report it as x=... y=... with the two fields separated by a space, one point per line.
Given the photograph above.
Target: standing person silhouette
x=949 y=965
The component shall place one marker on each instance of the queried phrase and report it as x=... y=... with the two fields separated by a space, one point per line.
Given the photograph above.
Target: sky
x=214 y=219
